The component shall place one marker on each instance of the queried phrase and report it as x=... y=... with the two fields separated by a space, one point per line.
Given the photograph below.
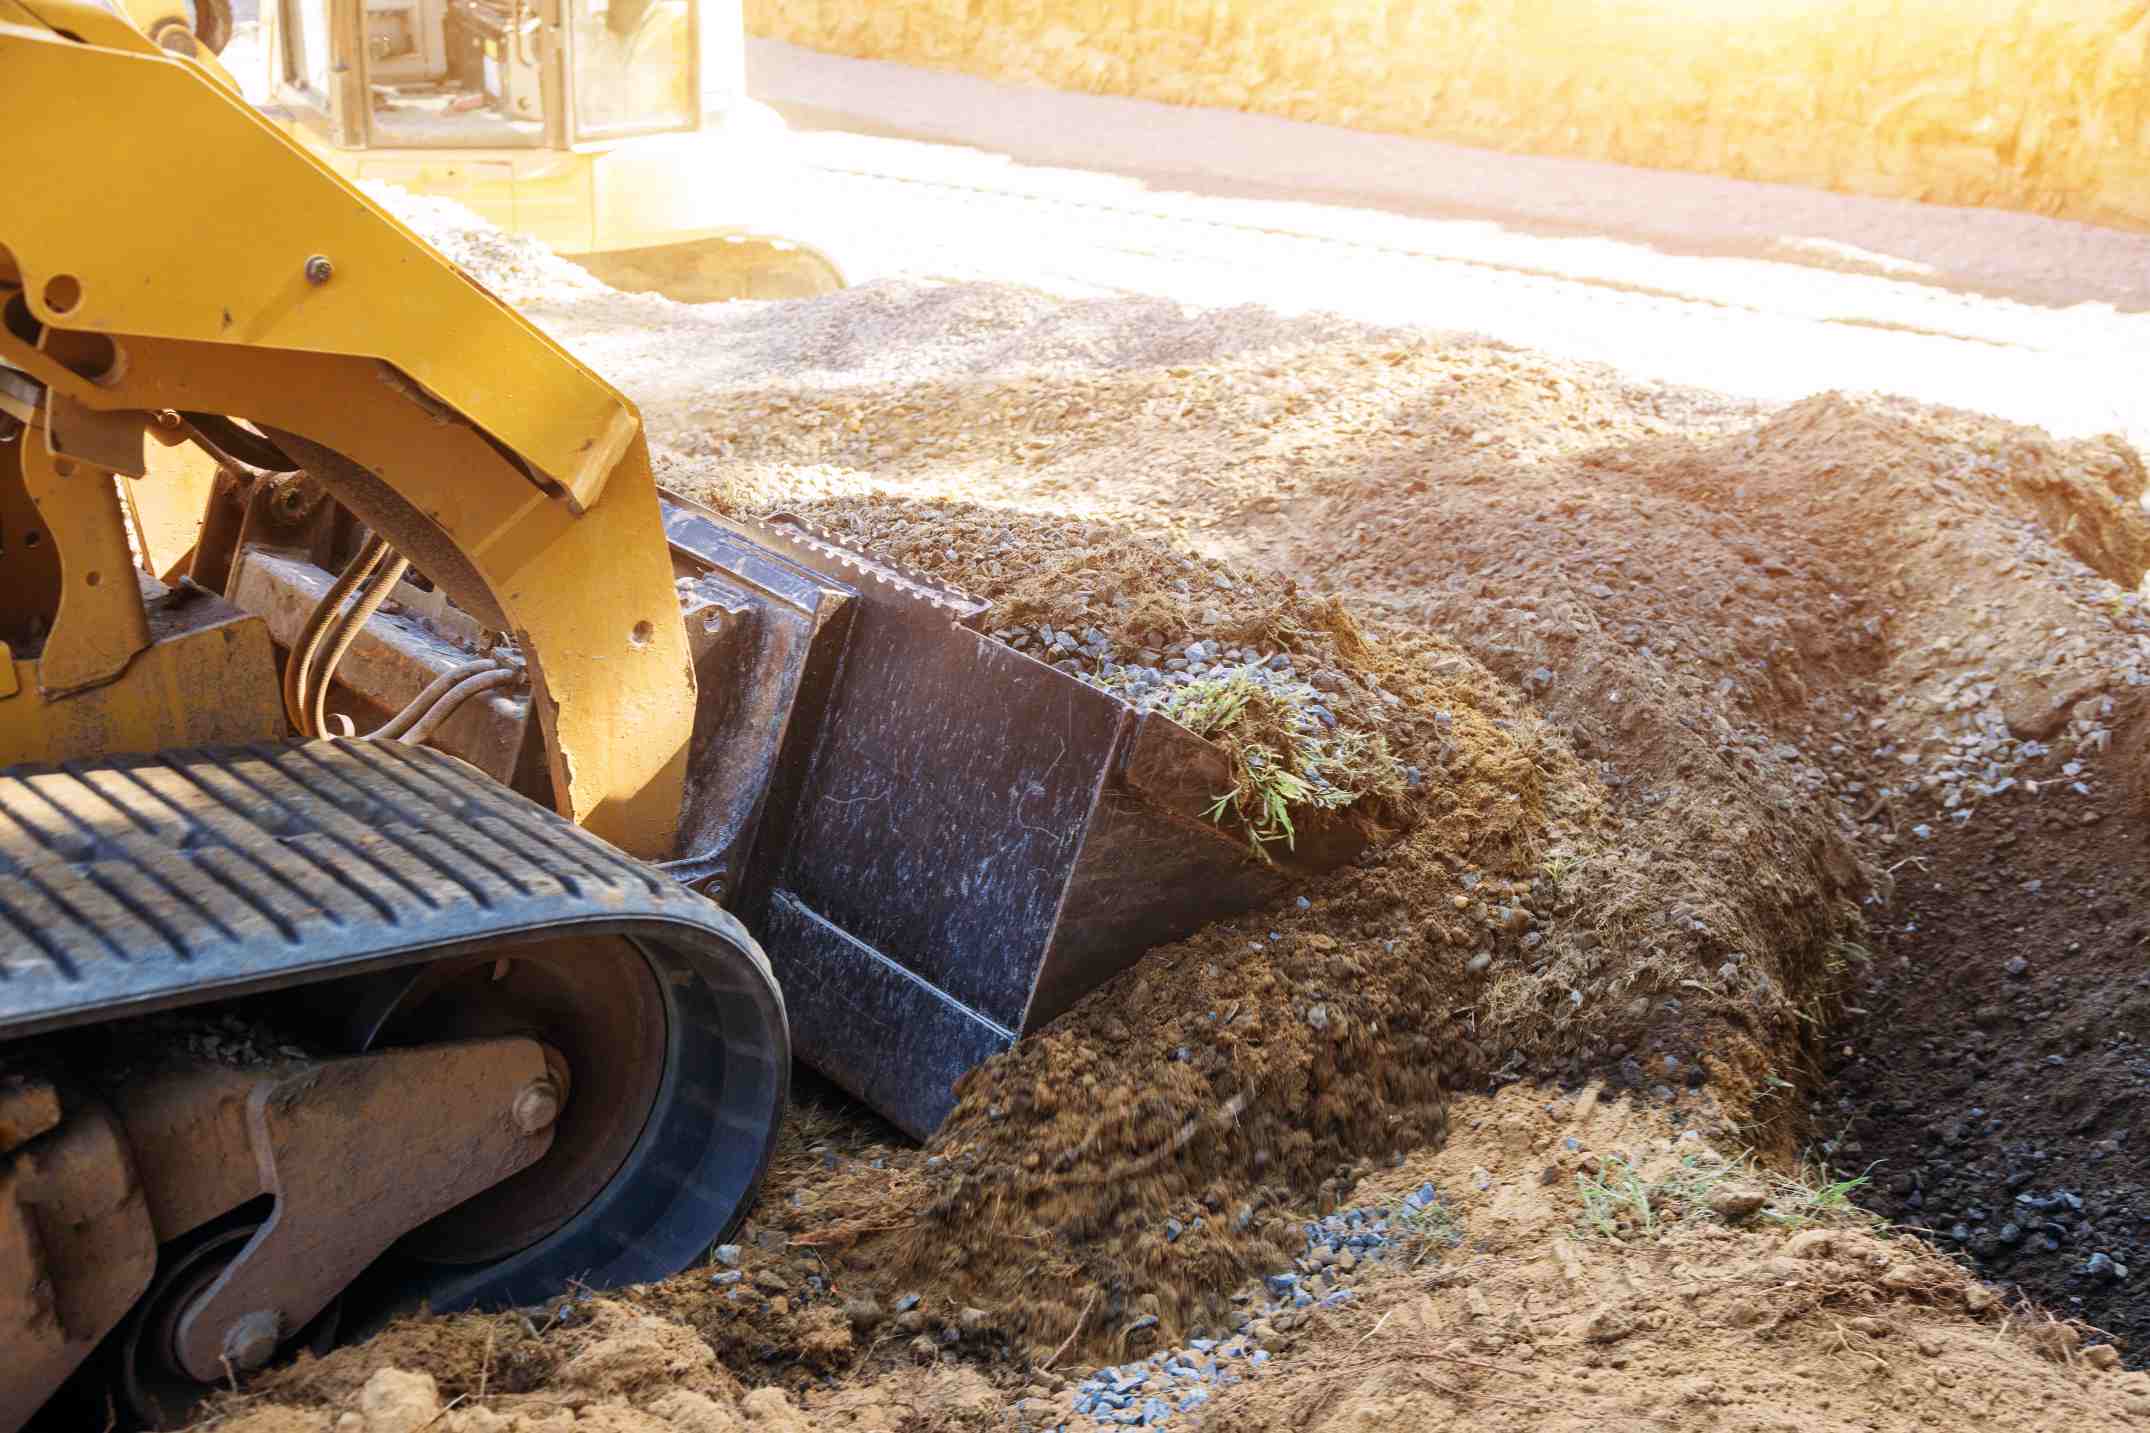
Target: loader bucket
x=941 y=842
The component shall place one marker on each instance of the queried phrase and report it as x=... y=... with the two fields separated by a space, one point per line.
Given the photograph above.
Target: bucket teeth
x=901 y=581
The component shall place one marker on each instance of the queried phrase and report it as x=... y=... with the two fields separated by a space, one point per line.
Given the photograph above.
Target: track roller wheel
x=671 y=1077
x=140 y=1363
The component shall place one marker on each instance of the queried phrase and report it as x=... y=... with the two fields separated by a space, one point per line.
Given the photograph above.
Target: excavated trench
x=1996 y=1083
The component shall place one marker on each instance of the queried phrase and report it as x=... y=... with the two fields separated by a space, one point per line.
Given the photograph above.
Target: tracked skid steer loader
x=398 y=792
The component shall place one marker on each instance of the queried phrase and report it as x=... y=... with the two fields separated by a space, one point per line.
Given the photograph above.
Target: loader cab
x=488 y=74
x=618 y=133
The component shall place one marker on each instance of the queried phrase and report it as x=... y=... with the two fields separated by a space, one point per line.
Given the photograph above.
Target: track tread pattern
x=139 y=882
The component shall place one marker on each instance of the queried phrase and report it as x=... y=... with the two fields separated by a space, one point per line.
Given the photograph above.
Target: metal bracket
x=359 y=1152
x=109 y=440
x=100 y=624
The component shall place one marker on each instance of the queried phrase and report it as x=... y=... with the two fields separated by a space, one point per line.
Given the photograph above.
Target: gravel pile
x=516 y=268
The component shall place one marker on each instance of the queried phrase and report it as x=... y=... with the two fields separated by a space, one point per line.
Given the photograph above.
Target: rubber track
x=143 y=882
x=139 y=883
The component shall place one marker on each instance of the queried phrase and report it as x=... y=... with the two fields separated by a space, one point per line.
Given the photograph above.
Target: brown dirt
x=1241 y=1073
x=1686 y=681
x=1802 y=1316
x=1540 y=1322
x=591 y=1365
x=2004 y=649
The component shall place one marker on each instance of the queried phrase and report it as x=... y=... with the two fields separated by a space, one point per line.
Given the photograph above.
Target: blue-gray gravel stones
x=1157 y=1391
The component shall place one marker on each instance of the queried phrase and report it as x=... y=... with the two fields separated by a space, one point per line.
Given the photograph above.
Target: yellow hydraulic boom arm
x=255 y=284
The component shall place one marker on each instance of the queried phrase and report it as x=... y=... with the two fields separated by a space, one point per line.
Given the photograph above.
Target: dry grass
x=1623 y=1200
x=1282 y=761
x=2027 y=104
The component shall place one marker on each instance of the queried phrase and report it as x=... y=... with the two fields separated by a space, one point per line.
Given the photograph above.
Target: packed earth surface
x=1733 y=1016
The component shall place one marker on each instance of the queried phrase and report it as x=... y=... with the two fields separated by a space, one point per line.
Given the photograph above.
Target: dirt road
x=1763 y=291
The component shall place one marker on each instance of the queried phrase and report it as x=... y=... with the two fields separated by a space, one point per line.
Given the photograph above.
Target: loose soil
x=1989 y=1085
x=1541 y=1321
x=1538 y=1312
x=1723 y=715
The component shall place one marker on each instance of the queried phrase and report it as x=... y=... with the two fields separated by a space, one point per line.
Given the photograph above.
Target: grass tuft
x=1621 y=1202
x=1283 y=760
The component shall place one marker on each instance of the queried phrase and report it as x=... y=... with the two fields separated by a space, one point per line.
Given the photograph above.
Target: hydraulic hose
x=308 y=645
x=422 y=729
x=374 y=592
x=419 y=705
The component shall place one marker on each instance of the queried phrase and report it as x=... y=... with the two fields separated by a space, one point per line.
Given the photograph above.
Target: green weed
x=1279 y=766
x=1619 y=1202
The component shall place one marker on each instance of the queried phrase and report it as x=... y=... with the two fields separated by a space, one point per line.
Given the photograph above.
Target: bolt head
x=251 y=1340
x=536 y=1106
x=319 y=270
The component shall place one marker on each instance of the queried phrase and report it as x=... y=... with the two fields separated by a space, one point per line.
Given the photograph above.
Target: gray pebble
x=2103 y=1266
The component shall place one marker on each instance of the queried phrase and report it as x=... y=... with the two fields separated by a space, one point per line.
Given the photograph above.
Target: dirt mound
x=590 y=1366
x=1926 y=622
x=1174 y=419
x=2042 y=541
x=1130 y=1163
x=1615 y=1272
